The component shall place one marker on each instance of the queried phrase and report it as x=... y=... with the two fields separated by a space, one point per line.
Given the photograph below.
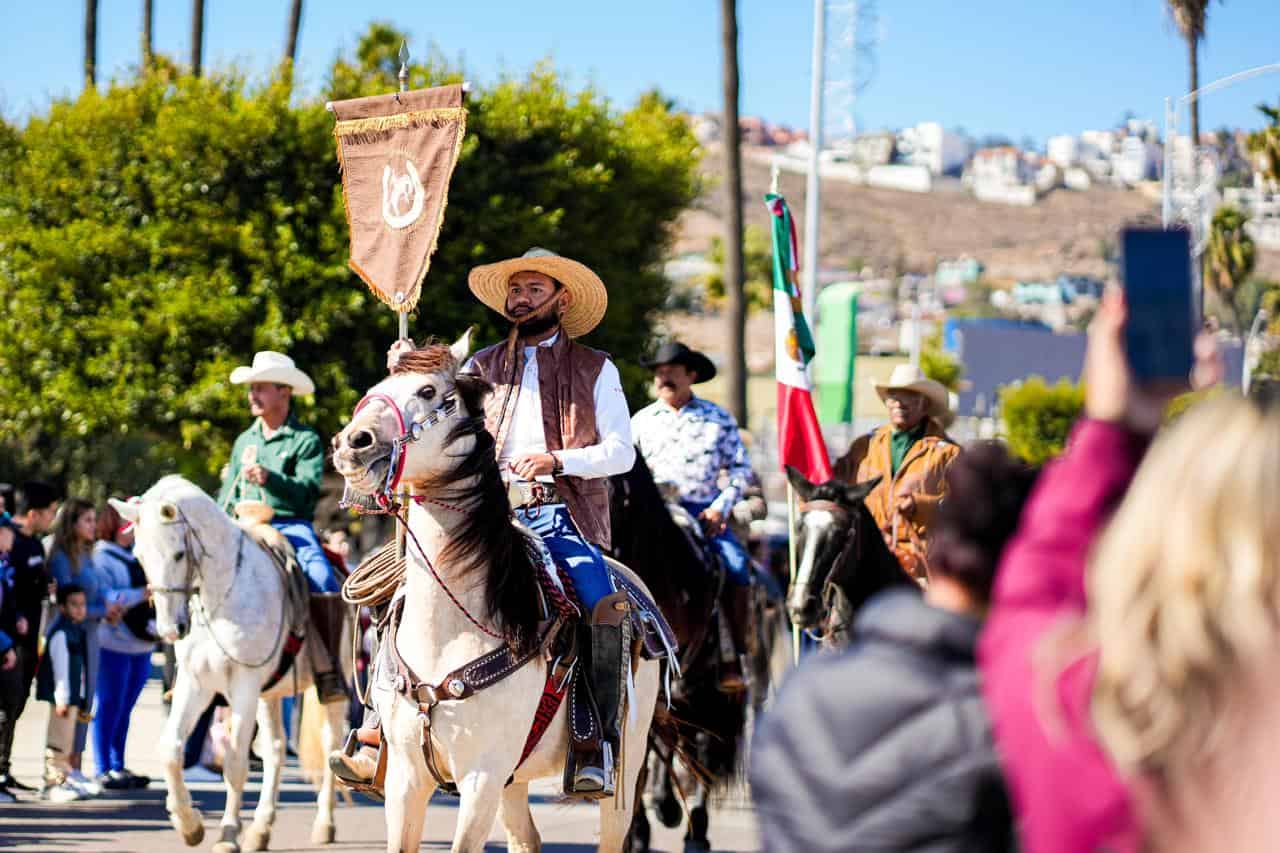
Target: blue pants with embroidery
x=737 y=565
x=574 y=555
x=302 y=536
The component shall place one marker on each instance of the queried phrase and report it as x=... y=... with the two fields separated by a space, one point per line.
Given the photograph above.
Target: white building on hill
x=940 y=151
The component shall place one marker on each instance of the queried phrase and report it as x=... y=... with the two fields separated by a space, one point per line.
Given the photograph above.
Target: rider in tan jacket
x=911 y=453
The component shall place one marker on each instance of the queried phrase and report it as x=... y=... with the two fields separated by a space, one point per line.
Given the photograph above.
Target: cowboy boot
x=606 y=671
x=735 y=610
x=326 y=647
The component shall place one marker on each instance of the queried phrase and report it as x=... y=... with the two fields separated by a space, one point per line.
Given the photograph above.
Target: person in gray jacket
x=887 y=746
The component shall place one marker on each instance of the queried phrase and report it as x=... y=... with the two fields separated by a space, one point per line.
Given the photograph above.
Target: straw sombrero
x=586 y=309
x=907 y=377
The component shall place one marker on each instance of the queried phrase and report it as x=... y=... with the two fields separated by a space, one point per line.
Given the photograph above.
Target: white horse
x=221 y=598
x=427 y=423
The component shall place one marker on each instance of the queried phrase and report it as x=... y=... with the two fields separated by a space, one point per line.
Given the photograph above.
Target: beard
x=539 y=321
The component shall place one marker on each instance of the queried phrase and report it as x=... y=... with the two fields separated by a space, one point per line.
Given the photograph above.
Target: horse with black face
x=706 y=723
x=843 y=558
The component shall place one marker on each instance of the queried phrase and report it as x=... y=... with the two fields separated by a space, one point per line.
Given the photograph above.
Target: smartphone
x=1164 y=313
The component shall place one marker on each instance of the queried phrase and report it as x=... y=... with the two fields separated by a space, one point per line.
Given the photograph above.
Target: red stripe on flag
x=800 y=442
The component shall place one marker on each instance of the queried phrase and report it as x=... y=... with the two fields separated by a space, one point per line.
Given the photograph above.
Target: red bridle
x=408 y=431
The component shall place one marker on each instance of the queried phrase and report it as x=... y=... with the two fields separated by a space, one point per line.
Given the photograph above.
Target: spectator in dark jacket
x=888 y=746
x=35 y=508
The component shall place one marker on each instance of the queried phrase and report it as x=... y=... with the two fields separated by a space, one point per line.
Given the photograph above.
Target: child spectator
x=62 y=680
x=10 y=673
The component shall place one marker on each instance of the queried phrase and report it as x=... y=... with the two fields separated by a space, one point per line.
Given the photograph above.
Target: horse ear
x=859 y=491
x=461 y=348
x=128 y=511
x=803 y=487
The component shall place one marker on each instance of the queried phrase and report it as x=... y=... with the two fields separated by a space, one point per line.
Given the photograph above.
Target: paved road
x=136 y=821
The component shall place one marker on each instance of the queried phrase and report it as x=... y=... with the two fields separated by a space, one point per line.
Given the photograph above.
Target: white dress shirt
x=615 y=454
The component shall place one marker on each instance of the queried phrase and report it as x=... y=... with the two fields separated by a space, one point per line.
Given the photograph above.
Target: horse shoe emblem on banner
x=397 y=190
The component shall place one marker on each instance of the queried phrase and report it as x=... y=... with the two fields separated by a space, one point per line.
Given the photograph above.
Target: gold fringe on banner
x=366 y=130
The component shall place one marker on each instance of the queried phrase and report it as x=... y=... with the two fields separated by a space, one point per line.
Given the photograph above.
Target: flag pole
x=813 y=186
x=403 y=314
x=791 y=559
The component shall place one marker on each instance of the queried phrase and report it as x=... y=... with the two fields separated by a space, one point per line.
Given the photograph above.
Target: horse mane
x=649 y=541
x=487 y=537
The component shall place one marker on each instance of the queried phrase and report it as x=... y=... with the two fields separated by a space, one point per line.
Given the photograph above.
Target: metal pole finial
x=404 y=66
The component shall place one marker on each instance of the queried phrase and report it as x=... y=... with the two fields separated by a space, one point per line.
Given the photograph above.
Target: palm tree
x=735 y=299
x=91 y=42
x=148 y=43
x=1190 y=17
x=1229 y=259
x=197 y=35
x=291 y=37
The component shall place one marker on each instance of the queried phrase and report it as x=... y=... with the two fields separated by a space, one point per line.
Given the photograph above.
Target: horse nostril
x=360 y=439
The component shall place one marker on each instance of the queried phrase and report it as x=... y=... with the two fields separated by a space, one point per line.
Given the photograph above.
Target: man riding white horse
x=279 y=462
x=687 y=443
x=561 y=427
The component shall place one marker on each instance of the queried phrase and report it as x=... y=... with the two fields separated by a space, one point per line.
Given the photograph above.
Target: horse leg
x=517 y=819
x=408 y=790
x=271 y=748
x=235 y=764
x=695 y=838
x=323 y=830
x=189 y=702
x=481 y=792
x=615 y=817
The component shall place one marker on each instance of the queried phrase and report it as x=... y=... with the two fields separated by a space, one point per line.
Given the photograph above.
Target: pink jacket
x=1067 y=796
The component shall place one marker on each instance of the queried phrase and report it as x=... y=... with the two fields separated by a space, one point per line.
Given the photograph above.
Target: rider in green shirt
x=279 y=462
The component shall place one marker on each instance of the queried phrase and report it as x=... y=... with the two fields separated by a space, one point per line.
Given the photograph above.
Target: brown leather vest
x=567 y=374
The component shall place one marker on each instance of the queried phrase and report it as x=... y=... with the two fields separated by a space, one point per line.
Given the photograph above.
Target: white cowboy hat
x=589 y=297
x=908 y=377
x=273 y=367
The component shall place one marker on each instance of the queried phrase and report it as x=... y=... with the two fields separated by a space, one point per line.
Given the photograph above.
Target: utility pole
x=813 y=186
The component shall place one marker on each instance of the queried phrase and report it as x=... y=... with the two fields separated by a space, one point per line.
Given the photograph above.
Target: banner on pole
x=397 y=154
x=800 y=442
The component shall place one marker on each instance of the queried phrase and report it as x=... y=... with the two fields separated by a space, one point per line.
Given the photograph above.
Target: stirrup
x=592 y=782
x=343 y=773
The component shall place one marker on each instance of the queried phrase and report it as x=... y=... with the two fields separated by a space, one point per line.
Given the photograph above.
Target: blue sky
x=1028 y=68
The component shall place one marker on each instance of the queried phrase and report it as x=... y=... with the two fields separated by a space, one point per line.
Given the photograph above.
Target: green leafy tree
x=1229 y=260
x=155 y=235
x=757 y=269
x=1038 y=416
x=1264 y=144
x=942 y=367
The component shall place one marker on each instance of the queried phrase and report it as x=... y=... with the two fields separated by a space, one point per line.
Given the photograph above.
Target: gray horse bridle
x=194 y=576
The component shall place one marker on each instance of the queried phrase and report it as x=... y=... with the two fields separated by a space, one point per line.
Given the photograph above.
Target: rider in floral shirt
x=689 y=443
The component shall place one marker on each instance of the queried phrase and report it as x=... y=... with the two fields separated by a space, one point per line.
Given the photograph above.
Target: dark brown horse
x=708 y=723
x=843 y=558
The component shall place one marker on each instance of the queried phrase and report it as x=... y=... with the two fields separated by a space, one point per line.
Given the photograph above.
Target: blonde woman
x=1081 y=685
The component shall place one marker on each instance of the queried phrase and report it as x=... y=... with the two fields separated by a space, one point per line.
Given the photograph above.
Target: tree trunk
x=197 y=36
x=735 y=298
x=291 y=36
x=148 y=45
x=91 y=42
x=1193 y=56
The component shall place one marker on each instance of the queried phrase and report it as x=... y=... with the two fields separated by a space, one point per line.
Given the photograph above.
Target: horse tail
x=311 y=753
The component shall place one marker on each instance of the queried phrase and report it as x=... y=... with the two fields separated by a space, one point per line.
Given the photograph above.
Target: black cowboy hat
x=677 y=353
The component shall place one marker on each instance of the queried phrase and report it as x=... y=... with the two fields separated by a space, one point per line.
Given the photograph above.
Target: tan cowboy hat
x=273 y=367
x=589 y=297
x=908 y=377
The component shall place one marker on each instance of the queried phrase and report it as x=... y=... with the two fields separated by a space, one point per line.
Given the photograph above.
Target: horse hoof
x=226 y=847
x=697 y=847
x=257 y=838
x=323 y=833
x=195 y=836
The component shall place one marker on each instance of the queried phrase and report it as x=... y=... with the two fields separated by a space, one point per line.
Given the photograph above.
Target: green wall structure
x=837 y=350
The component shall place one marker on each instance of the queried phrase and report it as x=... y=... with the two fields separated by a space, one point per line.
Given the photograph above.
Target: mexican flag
x=800 y=442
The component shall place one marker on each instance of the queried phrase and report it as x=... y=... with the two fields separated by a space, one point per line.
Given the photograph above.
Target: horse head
x=173 y=530
x=828 y=535
x=406 y=428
